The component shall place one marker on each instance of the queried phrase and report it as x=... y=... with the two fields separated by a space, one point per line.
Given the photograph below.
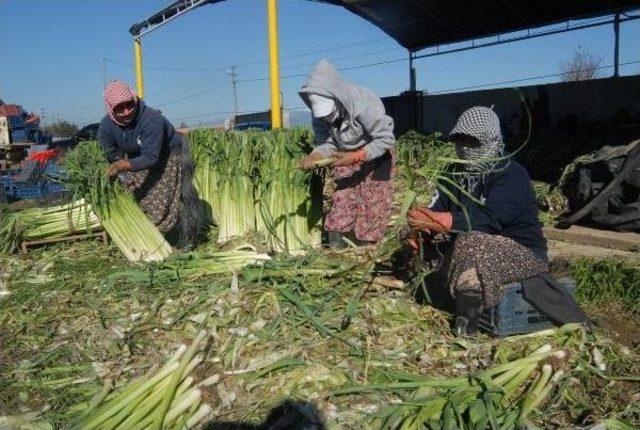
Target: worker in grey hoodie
x=352 y=128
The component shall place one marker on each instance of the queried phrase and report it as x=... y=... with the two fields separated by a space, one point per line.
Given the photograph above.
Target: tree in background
x=61 y=129
x=581 y=67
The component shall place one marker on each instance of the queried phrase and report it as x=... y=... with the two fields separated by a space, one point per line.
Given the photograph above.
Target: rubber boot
x=335 y=240
x=468 y=310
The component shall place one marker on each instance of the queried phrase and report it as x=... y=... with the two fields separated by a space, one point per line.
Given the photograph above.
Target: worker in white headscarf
x=351 y=128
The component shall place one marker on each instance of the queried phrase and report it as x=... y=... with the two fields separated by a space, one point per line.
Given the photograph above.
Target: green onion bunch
x=167 y=399
x=127 y=225
x=46 y=223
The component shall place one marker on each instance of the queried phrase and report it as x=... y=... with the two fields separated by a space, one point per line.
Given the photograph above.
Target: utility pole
x=104 y=71
x=234 y=82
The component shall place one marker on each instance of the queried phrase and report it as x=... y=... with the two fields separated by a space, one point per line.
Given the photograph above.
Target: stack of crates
x=55 y=189
x=55 y=174
x=514 y=315
x=30 y=191
x=7 y=182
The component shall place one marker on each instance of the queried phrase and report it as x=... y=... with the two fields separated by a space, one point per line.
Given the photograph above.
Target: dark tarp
x=417 y=24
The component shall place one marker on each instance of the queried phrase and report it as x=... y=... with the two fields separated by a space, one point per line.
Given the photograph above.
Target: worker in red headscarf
x=152 y=161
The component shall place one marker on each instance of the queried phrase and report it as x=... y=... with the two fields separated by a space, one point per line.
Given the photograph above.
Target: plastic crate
x=8 y=185
x=514 y=315
x=54 y=188
x=54 y=169
x=29 y=192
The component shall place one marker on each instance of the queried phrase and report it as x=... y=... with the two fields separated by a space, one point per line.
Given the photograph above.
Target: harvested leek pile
x=46 y=223
x=166 y=399
x=250 y=181
x=224 y=178
x=288 y=200
x=77 y=335
x=118 y=211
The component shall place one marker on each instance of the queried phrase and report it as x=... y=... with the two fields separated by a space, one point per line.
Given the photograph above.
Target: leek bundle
x=194 y=265
x=251 y=182
x=165 y=400
x=288 y=200
x=127 y=225
x=46 y=223
x=501 y=397
x=223 y=178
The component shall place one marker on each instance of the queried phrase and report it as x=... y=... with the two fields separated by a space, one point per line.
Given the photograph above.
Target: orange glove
x=118 y=166
x=349 y=158
x=308 y=162
x=430 y=221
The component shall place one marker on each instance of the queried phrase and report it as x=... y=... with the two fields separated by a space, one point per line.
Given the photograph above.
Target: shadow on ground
x=290 y=415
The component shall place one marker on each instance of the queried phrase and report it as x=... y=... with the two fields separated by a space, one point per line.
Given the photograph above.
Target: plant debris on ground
x=228 y=334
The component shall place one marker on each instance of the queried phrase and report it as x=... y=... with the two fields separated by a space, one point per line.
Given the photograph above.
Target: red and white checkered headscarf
x=117 y=92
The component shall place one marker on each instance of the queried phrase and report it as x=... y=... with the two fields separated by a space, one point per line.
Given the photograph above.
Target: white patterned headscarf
x=483 y=124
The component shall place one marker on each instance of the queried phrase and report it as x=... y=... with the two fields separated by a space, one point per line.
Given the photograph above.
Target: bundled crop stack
x=251 y=182
x=289 y=201
x=224 y=178
x=119 y=213
x=167 y=399
x=46 y=223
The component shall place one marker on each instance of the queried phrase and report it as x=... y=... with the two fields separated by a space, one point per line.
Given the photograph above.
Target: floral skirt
x=484 y=263
x=363 y=198
x=158 y=191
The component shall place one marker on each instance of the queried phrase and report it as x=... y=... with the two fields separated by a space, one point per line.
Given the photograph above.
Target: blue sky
x=53 y=55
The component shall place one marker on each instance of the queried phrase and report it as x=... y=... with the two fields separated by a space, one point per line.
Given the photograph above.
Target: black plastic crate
x=514 y=315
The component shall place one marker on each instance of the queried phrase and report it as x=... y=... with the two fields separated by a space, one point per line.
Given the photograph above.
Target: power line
x=341 y=69
x=189 y=96
x=167 y=69
x=531 y=78
x=186 y=84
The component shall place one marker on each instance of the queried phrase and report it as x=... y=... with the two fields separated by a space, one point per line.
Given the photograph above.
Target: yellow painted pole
x=274 y=64
x=138 y=52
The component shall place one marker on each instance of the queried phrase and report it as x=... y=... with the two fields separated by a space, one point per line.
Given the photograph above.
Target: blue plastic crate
x=55 y=171
x=514 y=315
x=54 y=188
x=29 y=192
x=8 y=184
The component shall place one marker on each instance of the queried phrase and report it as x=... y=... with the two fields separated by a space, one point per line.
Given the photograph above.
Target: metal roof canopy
x=419 y=24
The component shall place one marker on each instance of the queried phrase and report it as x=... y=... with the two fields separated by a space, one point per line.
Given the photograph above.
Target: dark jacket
x=509 y=208
x=148 y=139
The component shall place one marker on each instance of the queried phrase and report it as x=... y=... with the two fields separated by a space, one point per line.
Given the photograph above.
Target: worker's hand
x=430 y=221
x=309 y=162
x=349 y=158
x=119 y=166
x=412 y=239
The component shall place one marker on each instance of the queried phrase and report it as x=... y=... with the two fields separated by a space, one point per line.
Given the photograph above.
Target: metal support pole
x=138 y=53
x=274 y=64
x=412 y=73
x=616 y=52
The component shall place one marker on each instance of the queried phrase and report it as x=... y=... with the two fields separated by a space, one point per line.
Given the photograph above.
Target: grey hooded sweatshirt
x=364 y=121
